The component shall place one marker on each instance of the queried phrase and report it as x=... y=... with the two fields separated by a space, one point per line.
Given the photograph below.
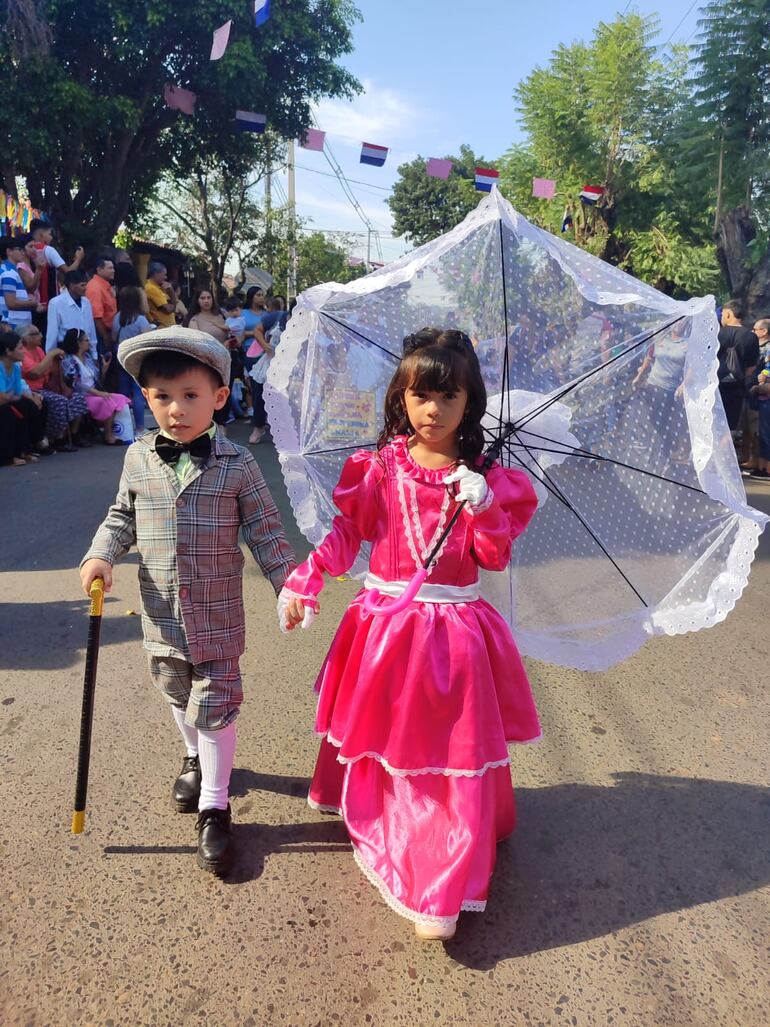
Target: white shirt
x=63 y=314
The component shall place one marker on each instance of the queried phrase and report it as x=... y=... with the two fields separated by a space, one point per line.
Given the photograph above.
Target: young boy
x=234 y=319
x=185 y=492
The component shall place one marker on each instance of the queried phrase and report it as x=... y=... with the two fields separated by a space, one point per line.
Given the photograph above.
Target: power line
x=355 y=181
x=681 y=22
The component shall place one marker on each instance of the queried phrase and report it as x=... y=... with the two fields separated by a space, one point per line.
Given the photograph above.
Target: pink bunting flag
x=543 y=188
x=314 y=139
x=220 y=41
x=437 y=168
x=180 y=99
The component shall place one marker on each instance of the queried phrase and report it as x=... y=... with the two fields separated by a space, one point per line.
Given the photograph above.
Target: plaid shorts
x=211 y=692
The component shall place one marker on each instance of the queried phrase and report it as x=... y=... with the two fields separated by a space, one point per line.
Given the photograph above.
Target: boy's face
x=184 y=406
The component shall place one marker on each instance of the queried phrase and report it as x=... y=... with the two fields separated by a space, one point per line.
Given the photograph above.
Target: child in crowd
x=82 y=376
x=53 y=265
x=131 y=320
x=234 y=319
x=416 y=709
x=185 y=494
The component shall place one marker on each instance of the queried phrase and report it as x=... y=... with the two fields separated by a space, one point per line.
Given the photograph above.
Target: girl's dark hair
x=195 y=307
x=438 y=360
x=8 y=341
x=71 y=341
x=129 y=304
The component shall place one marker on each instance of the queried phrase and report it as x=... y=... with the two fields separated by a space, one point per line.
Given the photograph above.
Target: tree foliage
x=96 y=135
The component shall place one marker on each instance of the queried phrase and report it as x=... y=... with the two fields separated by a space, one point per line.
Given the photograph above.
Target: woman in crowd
x=129 y=321
x=206 y=316
x=22 y=419
x=42 y=373
x=82 y=375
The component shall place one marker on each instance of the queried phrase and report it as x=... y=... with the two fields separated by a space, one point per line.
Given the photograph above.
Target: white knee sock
x=217 y=754
x=190 y=734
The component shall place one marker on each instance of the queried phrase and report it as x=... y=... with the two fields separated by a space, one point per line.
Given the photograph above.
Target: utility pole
x=269 y=208
x=291 y=278
x=368 y=250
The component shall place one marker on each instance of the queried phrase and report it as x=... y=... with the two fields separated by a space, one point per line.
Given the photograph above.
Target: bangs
x=434 y=370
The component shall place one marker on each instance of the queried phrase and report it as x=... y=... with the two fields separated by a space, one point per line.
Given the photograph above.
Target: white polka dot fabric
x=643 y=526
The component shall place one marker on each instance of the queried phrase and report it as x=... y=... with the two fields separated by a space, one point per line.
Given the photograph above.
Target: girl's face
x=206 y=301
x=435 y=416
x=84 y=344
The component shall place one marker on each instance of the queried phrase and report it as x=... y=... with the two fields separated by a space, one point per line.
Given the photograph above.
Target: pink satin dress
x=416 y=710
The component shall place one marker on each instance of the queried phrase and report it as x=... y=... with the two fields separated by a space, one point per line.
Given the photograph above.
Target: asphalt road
x=636 y=890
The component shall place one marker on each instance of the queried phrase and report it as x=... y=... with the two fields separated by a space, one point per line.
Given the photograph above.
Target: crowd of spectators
x=61 y=385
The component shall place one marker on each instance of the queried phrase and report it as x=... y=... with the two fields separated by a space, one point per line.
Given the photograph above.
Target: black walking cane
x=87 y=713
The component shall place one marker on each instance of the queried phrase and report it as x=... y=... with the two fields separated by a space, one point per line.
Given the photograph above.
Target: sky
x=436 y=75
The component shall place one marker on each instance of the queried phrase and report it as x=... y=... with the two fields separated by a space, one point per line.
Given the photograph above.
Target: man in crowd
x=71 y=309
x=160 y=296
x=101 y=296
x=738 y=357
x=16 y=306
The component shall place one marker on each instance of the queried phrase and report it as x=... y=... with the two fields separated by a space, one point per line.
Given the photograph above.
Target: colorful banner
x=438 y=168
x=180 y=99
x=314 y=139
x=543 y=188
x=485 y=179
x=249 y=121
x=261 y=12
x=220 y=41
x=374 y=155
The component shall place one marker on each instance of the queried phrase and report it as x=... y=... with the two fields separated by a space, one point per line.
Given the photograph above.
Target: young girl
x=416 y=709
x=82 y=376
x=129 y=322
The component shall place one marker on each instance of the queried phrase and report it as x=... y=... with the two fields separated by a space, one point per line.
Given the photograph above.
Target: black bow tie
x=170 y=451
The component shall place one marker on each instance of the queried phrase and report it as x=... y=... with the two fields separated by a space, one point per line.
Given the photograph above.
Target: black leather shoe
x=187 y=787
x=215 y=835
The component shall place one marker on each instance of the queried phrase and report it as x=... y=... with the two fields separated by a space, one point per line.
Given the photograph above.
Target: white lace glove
x=473 y=487
x=284 y=598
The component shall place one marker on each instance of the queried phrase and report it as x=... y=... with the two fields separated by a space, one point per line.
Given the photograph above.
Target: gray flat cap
x=192 y=343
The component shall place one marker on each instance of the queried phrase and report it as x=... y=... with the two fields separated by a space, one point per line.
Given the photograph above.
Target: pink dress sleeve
x=507 y=515
x=355 y=497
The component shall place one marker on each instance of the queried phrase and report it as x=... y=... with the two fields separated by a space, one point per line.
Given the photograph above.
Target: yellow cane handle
x=97 y=597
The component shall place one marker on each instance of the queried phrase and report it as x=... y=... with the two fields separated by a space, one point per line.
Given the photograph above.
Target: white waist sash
x=427 y=593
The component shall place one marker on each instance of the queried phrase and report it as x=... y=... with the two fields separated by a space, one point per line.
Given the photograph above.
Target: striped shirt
x=10 y=282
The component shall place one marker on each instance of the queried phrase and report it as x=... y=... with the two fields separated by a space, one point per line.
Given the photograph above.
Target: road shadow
x=51 y=636
x=254 y=843
x=243 y=781
x=586 y=861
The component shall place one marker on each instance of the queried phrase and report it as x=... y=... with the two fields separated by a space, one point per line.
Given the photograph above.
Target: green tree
x=424 y=207
x=609 y=113
x=726 y=138
x=96 y=134
x=319 y=258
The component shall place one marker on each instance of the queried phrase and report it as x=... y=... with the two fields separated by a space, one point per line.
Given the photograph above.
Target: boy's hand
x=294 y=610
x=93 y=569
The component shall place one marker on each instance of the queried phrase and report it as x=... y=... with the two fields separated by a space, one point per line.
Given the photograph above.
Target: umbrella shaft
x=87 y=713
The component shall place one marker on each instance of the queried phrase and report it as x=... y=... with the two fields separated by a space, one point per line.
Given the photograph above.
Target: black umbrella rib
x=587 y=454
x=542 y=481
x=590 y=531
x=339 y=449
x=348 y=328
x=596 y=370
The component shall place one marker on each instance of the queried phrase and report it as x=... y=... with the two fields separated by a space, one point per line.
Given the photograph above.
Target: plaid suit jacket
x=191 y=566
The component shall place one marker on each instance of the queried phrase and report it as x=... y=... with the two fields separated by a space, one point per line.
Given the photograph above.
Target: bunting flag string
x=179 y=99
x=314 y=140
x=591 y=194
x=249 y=121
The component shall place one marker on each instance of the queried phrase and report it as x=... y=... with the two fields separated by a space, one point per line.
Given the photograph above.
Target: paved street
x=636 y=890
